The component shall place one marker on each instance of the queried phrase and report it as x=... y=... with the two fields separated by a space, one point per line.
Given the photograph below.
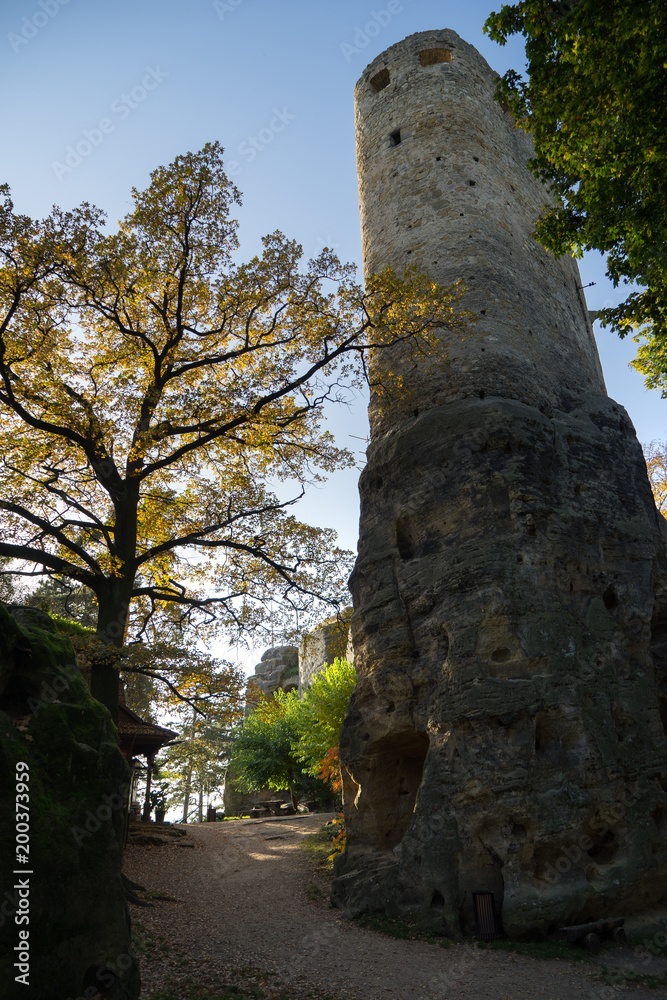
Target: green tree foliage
x=320 y=713
x=155 y=394
x=263 y=748
x=594 y=100
x=286 y=736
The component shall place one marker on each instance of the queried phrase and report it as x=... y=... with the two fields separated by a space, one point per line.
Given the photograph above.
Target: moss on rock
x=79 y=929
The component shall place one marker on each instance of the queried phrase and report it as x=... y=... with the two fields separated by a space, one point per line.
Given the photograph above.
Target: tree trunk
x=147 y=799
x=201 y=804
x=186 y=794
x=113 y=601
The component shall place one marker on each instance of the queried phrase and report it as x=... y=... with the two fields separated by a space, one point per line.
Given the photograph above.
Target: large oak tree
x=156 y=396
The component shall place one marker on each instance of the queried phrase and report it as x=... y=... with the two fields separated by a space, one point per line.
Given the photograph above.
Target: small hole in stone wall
x=518 y=830
x=519 y=558
x=602 y=853
x=405 y=537
x=438 y=158
x=659 y=817
x=476 y=159
x=610 y=599
x=501 y=655
x=437 y=900
x=395 y=138
x=409 y=251
x=416 y=413
x=391 y=707
x=377 y=482
x=481 y=394
x=380 y=80
x=471 y=184
x=460 y=213
x=483 y=349
x=431 y=57
x=483 y=312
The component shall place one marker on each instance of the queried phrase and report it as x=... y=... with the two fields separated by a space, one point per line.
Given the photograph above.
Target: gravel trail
x=247 y=899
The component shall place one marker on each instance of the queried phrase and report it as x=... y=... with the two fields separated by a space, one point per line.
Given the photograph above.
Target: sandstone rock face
x=508 y=728
x=278 y=668
x=79 y=929
x=319 y=648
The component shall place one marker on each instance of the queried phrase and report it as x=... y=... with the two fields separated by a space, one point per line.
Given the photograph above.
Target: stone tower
x=510 y=594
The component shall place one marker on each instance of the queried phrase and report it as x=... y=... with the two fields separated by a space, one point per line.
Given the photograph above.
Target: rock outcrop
x=508 y=730
x=278 y=669
x=326 y=643
x=52 y=731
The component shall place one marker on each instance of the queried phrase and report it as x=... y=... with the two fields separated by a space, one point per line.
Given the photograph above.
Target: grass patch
x=550 y=949
x=401 y=929
x=320 y=846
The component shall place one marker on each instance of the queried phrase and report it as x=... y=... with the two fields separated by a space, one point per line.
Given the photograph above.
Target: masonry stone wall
x=454 y=197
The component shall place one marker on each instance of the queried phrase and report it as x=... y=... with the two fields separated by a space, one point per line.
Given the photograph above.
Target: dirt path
x=247 y=899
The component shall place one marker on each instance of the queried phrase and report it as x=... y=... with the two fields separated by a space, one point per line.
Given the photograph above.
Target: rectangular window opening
x=395 y=138
x=380 y=80
x=430 y=57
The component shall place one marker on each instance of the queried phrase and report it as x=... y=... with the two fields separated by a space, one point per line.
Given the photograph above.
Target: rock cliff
x=79 y=927
x=508 y=730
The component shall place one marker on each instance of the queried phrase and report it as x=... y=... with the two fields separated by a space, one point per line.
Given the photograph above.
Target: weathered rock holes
x=437 y=900
x=501 y=655
x=604 y=849
x=659 y=817
x=406 y=540
x=519 y=831
x=403 y=756
x=610 y=598
x=481 y=394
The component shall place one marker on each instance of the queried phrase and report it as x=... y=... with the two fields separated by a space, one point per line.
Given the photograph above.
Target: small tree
x=287 y=737
x=263 y=748
x=319 y=719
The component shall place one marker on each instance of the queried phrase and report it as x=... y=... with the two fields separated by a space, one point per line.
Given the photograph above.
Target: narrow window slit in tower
x=380 y=80
x=395 y=138
x=431 y=57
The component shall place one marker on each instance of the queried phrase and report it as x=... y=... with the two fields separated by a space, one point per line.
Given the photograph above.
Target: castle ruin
x=508 y=730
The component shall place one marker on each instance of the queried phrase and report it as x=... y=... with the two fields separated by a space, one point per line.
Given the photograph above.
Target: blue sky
x=132 y=83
